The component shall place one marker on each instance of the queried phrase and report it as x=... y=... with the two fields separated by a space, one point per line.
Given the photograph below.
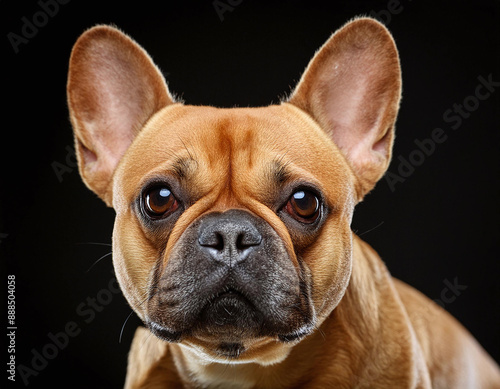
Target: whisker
x=321 y=332
x=150 y=293
x=371 y=229
x=184 y=144
x=96 y=262
x=95 y=243
x=128 y=317
x=123 y=326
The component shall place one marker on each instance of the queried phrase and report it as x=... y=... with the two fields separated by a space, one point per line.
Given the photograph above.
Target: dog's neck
x=359 y=313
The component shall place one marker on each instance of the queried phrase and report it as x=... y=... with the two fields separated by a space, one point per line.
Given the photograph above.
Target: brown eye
x=303 y=206
x=159 y=201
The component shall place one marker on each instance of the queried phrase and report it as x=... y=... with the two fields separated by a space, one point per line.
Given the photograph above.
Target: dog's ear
x=113 y=89
x=352 y=88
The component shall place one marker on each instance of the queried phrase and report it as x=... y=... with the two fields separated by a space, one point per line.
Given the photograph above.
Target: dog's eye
x=303 y=206
x=159 y=202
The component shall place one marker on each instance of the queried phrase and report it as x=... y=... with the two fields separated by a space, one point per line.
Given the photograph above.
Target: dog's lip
x=228 y=294
x=228 y=313
x=229 y=291
x=163 y=332
x=297 y=335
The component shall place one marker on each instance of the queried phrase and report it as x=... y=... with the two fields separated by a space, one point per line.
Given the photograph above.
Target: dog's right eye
x=303 y=206
x=159 y=202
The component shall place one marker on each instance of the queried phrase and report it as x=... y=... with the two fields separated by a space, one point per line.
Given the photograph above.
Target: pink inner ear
x=119 y=87
x=381 y=145
x=352 y=88
x=113 y=89
x=354 y=107
x=89 y=157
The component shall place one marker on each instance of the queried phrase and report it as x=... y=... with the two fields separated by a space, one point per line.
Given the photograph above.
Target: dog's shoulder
x=451 y=353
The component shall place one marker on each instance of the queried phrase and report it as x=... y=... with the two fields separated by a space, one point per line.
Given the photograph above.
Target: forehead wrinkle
x=179 y=167
x=280 y=172
x=182 y=167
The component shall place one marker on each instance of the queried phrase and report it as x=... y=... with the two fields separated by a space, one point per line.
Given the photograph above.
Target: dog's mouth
x=227 y=320
x=229 y=308
x=229 y=314
x=228 y=317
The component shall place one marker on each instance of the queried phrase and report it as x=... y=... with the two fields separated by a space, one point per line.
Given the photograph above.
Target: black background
x=440 y=224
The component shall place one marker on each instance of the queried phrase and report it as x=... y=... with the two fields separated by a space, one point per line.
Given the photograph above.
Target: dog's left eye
x=303 y=206
x=159 y=202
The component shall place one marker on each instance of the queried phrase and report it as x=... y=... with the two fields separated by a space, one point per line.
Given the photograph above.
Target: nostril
x=245 y=240
x=240 y=246
x=214 y=240
x=219 y=245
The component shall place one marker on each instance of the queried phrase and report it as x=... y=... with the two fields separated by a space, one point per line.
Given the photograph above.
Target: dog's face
x=216 y=223
x=232 y=230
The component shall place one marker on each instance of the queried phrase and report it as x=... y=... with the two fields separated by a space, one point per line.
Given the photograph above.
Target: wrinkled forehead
x=221 y=145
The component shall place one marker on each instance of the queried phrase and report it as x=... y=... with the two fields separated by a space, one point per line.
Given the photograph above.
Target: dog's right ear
x=113 y=89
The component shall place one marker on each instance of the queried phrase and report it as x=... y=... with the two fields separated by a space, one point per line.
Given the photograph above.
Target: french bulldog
x=232 y=239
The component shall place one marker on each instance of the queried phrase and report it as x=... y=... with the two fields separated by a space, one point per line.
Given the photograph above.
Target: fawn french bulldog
x=232 y=239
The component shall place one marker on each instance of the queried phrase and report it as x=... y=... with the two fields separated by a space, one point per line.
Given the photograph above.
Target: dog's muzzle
x=230 y=278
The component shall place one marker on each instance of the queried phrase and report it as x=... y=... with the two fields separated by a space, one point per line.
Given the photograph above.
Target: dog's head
x=232 y=230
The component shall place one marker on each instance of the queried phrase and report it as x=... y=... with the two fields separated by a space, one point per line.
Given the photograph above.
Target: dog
x=232 y=239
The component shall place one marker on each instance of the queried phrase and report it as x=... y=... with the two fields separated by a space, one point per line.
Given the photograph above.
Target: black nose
x=229 y=237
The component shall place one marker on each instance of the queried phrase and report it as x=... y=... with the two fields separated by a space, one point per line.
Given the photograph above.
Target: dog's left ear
x=352 y=88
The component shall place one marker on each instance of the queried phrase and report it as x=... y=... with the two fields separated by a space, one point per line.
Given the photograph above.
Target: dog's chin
x=229 y=322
